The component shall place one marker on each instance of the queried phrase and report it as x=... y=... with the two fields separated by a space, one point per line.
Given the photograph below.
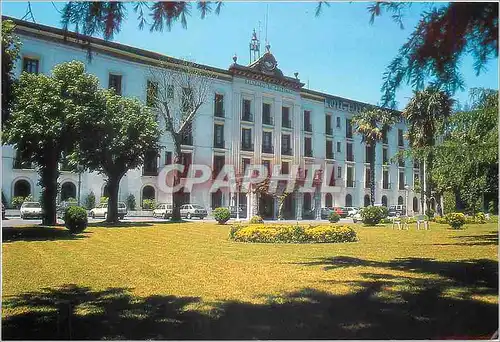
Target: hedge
x=292 y=234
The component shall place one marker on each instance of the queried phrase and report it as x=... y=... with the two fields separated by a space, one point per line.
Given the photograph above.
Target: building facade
x=253 y=115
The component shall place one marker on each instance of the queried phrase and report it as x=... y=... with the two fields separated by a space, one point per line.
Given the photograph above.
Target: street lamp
x=407 y=192
x=80 y=169
x=239 y=179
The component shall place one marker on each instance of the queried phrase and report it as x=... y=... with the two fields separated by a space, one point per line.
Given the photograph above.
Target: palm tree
x=424 y=113
x=371 y=125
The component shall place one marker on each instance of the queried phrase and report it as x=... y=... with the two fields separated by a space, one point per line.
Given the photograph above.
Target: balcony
x=329 y=155
x=329 y=131
x=22 y=164
x=267 y=120
x=350 y=183
x=150 y=171
x=308 y=153
x=246 y=147
x=267 y=149
x=219 y=144
x=286 y=123
x=308 y=127
x=286 y=152
x=350 y=158
x=248 y=117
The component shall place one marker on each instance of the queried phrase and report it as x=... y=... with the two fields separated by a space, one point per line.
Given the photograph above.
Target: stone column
x=299 y=197
x=276 y=208
x=277 y=129
x=317 y=203
x=255 y=204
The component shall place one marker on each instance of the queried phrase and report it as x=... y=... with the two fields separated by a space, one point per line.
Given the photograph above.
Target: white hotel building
x=255 y=115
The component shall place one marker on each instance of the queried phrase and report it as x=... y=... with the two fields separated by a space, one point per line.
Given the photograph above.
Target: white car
x=351 y=211
x=102 y=210
x=31 y=210
x=163 y=210
x=357 y=217
x=193 y=210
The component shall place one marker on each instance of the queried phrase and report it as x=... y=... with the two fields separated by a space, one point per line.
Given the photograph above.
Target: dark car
x=61 y=208
x=341 y=211
x=311 y=214
x=242 y=210
x=325 y=213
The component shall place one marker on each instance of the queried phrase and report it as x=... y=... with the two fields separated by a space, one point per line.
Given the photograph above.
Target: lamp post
x=80 y=169
x=407 y=191
x=238 y=184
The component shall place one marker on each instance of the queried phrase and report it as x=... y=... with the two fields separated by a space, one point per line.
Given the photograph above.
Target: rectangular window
x=339 y=171
x=308 y=147
x=349 y=152
x=219 y=136
x=368 y=153
x=219 y=105
x=401 y=180
x=150 y=163
x=219 y=162
x=187 y=135
x=267 y=165
x=331 y=181
x=401 y=162
x=367 y=178
x=285 y=145
x=385 y=139
x=339 y=146
x=267 y=142
x=385 y=178
x=285 y=168
x=416 y=165
x=186 y=161
x=115 y=82
x=285 y=117
x=400 y=137
x=350 y=177
x=348 y=129
x=168 y=158
x=267 y=118
x=170 y=91
x=247 y=112
x=246 y=163
x=338 y=121
x=246 y=142
x=187 y=101
x=329 y=149
x=30 y=65
x=151 y=94
x=307 y=121
x=328 y=124
x=385 y=156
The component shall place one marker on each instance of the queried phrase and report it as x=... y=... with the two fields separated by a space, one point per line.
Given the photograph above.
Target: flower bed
x=292 y=234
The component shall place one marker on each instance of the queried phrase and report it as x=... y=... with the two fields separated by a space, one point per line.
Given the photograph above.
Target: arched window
x=367 y=200
x=328 y=200
x=22 y=188
x=105 y=191
x=148 y=192
x=307 y=201
x=348 y=200
x=68 y=190
x=400 y=200
x=415 y=205
x=384 y=201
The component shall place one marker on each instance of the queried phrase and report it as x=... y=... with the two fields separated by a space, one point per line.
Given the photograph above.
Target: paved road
x=17 y=221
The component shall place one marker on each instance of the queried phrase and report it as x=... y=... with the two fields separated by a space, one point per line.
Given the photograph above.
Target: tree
x=177 y=96
x=434 y=50
x=10 y=53
x=466 y=162
x=40 y=127
x=425 y=112
x=372 y=124
x=113 y=137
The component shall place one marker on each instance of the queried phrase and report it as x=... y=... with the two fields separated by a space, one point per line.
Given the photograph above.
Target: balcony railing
x=308 y=153
x=219 y=144
x=267 y=149
x=386 y=186
x=348 y=135
x=308 y=127
x=219 y=113
x=22 y=164
x=246 y=147
x=286 y=152
x=267 y=120
x=247 y=117
x=187 y=140
x=350 y=183
x=286 y=123
x=150 y=171
x=350 y=157
x=329 y=131
x=401 y=143
x=329 y=155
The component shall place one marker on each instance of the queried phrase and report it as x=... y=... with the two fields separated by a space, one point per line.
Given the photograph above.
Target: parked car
x=357 y=217
x=102 y=210
x=163 y=210
x=242 y=210
x=351 y=211
x=193 y=210
x=31 y=210
x=397 y=210
x=325 y=213
x=341 y=211
x=3 y=211
x=61 y=208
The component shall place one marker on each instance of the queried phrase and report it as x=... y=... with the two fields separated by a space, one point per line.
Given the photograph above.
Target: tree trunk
x=428 y=167
x=113 y=185
x=422 y=189
x=372 y=175
x=48 y=181
x=177 y=195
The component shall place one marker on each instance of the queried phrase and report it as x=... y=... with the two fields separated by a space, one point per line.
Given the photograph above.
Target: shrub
x=222 y=215
x=256 y=220
x=372 y=215
x=148 y=204
x=440 y=220
x=90 y=200
x=334 y=217
x=17 y=201
x=430 y=212
x=75 y=219
x=455 y=220
x=492 y=208
x=131 y=202
x=385 y=221
x=480 y=218
x=292 y=234
x=384 y=212
x=103 y=200
x=71 y=200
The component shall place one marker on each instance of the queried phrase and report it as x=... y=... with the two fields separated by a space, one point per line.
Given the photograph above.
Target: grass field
x=188 y=281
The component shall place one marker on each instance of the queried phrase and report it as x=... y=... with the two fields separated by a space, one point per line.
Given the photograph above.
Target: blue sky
x=338 y=52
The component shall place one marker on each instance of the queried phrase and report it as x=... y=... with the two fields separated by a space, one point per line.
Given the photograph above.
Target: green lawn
x=180 y=281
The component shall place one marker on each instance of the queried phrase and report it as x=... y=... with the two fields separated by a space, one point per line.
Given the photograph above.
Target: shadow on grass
x=381 y=306
x=39 y=233
x=120 y=224
x=490 y=238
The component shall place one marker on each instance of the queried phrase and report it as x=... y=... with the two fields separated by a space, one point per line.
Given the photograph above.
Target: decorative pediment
x=267 y=64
